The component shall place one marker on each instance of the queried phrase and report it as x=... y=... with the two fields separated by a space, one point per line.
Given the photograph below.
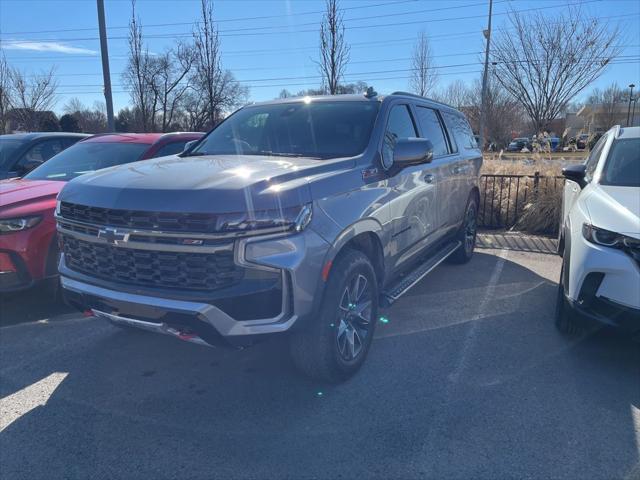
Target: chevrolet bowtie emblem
x=112 y=236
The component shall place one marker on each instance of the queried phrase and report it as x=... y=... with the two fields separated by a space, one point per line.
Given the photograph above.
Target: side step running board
x=405 y=283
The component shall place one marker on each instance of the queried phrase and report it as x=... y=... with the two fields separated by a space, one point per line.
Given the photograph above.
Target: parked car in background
x=600 y=236
x=518 y=144
x=28 y=249
x=22 y=152
x=582 y=141
x=296 y=216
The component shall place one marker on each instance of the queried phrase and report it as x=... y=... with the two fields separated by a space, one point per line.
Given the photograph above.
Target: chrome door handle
x=429 y=178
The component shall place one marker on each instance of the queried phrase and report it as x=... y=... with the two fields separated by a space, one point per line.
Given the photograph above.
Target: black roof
x=37 y=135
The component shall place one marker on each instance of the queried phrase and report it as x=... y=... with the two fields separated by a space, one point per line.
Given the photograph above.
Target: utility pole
x=485 y=78
x=630 y=98
x=105 y=66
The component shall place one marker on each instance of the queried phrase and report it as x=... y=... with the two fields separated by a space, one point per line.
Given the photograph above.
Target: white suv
x=600 y=236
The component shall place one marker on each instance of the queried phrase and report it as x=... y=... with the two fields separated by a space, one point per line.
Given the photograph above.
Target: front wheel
x=336 y=344
x=565 y=318
x=467 y=234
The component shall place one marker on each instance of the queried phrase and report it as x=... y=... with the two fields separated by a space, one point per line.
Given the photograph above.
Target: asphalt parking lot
x=467 y=379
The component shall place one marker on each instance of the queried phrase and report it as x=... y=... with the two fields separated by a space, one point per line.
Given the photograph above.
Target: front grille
x=184 y=270
x=134 y=219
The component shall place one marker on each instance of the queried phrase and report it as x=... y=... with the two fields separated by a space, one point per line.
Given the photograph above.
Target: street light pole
x=487 y=34
x=631 y=85
x=633 y=111
x=105 y=66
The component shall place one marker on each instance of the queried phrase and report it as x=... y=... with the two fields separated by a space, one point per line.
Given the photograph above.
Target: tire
x=467 y=233
x=565 y=318
x=335 y=345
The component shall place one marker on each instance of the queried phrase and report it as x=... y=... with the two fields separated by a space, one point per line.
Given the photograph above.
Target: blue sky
x=269 y=54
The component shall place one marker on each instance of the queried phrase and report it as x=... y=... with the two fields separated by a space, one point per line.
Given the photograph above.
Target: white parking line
x=482 y=312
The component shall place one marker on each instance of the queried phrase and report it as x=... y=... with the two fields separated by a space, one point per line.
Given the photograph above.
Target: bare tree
x=608 y=102
x=457 y=94
x=88 y=119
x=31 y=95
x=334 y=51
x=5 y=93
x=503 y=114
x=423 y=76
x=169 y=74
x=215 y=90
x=545 y=64
x=137 y=74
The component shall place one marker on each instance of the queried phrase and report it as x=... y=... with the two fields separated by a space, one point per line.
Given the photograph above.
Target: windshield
x=623 y=164
x=320 y=130
x=84 y=158
x=8 y=147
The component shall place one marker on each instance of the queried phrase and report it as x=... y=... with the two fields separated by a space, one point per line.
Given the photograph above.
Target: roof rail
x=408 y=94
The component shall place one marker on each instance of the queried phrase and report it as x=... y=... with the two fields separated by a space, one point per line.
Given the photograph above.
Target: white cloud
x=45 y=47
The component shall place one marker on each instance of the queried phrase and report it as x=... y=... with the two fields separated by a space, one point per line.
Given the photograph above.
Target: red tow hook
x=87 y=313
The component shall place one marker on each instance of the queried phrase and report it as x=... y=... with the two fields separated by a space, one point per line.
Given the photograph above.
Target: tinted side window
x=594 y=156
x=432 y=130
x=400 y=125
x=461 y=130
x=170 y=149
x=42 y=151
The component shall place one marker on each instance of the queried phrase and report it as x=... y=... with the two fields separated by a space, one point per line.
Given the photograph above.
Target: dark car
x=517 y=144
x=22 y=152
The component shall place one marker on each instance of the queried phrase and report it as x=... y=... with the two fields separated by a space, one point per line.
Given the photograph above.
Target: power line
x=283 y=29
x=628 y=59
x=223 y=20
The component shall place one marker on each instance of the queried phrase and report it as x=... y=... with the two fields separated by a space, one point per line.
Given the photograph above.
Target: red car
x=28 y=249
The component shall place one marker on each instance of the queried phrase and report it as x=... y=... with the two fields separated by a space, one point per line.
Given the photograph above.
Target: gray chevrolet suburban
x=301 y=216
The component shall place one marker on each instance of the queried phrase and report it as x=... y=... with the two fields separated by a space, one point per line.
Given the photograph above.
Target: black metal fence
x=505 y=199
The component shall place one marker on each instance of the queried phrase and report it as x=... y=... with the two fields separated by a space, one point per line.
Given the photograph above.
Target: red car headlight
x=10 y=225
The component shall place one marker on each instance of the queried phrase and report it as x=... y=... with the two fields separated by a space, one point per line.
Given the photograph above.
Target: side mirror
x=189 y=146
x=412 y=151
x=576 y=173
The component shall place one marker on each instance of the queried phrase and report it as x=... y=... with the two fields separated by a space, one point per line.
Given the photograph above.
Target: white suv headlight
x=606 y=238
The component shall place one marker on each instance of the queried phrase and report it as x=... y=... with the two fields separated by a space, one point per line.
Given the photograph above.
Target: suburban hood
x=615 y=208
x=207 y=184
x=19 y=192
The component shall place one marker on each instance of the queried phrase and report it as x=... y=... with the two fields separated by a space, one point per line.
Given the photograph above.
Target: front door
x=412 y=207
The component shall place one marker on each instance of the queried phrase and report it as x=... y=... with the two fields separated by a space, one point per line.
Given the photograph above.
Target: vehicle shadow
x=36 y=303
x=447 y=392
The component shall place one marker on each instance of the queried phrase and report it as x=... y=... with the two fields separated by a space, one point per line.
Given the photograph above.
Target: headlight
x=257 y=222
x=606 y=238
x=9 y=225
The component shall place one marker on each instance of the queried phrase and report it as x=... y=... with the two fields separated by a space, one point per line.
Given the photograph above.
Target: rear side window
x=432 y=130
x=170 y=149
x=400 y=125
x=461 y=130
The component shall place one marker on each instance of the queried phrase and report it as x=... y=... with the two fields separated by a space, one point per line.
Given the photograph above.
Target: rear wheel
x=336 y=344
x=467 y=234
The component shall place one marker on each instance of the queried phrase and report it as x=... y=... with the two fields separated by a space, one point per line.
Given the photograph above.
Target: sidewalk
x=522 y=242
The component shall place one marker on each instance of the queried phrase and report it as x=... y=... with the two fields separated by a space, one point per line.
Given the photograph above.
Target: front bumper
x=619 y=274
x=215 y=318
